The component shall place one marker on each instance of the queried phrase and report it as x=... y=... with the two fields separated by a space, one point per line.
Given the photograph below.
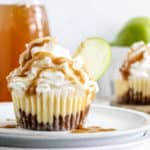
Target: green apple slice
x=96 y=54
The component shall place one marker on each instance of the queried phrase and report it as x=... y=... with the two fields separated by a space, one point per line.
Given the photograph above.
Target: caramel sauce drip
x=36 y=44
x=32 y=87
x=125 y=68
x=8 y=126
x=56 y=61
x=41 y=43
x=77 y=73
x=35 y=57
x=93 y=129
x=59 y=60
x=30 y=59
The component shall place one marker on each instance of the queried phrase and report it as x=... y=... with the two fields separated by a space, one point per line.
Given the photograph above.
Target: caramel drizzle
x=55 y=60
x=36 y=56
x=32 y=87
x=36 y=44
x=77 y=73
x=125 y=68
x=93 y=129
x=27 y=64
x=9 y=126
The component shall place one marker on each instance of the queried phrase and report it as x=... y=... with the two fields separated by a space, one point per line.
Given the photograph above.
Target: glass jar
x=20 y=22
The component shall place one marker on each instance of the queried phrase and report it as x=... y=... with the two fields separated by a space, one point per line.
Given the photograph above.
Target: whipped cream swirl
x=137 y=63
x=45 y=66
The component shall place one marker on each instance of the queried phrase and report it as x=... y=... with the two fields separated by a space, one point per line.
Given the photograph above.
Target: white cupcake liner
x=48 y=106
x=136 y=90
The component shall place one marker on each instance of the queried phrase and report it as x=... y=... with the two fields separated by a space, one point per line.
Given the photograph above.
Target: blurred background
x=74 y=20
x=71 y=22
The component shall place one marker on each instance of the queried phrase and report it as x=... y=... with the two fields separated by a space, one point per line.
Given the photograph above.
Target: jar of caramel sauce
x=20 y=22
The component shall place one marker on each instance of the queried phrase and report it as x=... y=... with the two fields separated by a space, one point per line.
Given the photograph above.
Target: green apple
x=96 y=55
x=136 y=29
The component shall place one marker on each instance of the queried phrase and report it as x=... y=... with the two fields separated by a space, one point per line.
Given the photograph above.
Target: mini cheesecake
x=51 y=91
x=133 y=85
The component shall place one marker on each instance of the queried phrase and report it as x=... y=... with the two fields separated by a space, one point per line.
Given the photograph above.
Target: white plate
x=130 y=125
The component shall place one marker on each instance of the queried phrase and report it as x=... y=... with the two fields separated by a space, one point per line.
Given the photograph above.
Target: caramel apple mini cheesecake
x=133 y=85
x=50 y=90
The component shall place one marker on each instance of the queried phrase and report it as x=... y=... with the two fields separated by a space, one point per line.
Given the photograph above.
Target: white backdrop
x=73 y=20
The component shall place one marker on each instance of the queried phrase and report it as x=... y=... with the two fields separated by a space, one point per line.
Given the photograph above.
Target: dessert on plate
x=133 y=84
x=50 y=90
